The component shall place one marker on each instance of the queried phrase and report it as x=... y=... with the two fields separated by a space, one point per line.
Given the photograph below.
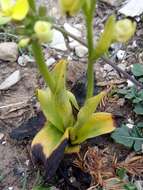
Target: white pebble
x=81 y=51
x=10 y=188
x=3 y=143
x=121 y=54
x=1 y=136
x=50 y=61
x=11 y=80
x=58 y=41
x=130 y=83
x=129 y=125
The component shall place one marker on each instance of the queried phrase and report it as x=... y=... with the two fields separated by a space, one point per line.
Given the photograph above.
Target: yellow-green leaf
x=98 y=124
x=106 y=38
x=89 y=107
x=48 y=147
x=64 y=108
x=49 y=107
x=59 y=75
x=72 y=149
x=72 y=99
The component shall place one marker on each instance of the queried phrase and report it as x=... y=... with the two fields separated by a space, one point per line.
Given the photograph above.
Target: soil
x=19 y=104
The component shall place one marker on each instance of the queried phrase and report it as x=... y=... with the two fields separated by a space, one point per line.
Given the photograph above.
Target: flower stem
x=39 y=57
x=32 y=5
x=90 y=69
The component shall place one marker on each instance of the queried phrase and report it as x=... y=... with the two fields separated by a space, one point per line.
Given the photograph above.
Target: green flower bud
x=71 y=7
x=43 y=31
x=124 y=30
x=24 y=42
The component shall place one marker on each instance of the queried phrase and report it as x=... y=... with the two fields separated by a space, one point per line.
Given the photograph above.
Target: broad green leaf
x=106 y=38
x=59 y=75
x=98 y=124
x=49 y=107
x=138 y=109
x=137 y=70
x=48 y=147
x=122 y=136
x=72 y=99
x=4 y=20
x=89 y=107
x=128 y=137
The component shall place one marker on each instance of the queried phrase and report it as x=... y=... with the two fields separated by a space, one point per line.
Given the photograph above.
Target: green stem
x=39 y=57
x=90 y=69
x=32 y=5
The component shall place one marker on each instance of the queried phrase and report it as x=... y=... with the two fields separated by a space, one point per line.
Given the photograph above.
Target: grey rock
x=50 y=61
x=81 y=51
x=108 y=68
x=132 y=8
x=58 y=41
x=8 y=51
x=11 y=80
x=113 y=2
x=122 y=66
x=121 y=54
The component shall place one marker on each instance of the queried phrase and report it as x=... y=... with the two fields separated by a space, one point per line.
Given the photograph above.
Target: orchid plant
x=64 y=129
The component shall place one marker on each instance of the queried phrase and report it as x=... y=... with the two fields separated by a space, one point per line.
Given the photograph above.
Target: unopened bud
x=71 y=7
x=43 y=31
x=124 y=30
x=24 y=42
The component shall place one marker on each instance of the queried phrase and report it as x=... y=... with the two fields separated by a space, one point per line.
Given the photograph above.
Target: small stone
x=130 y=83
x=11 y=80
x=122 y=66
x=24 y=59
x=120 y=54
x=53 y=188
x=1 y=136
x=121 y=102
x=113 y=2
x=10 y=188
x=72 y=179
x=81 y=51
x=50 y=61
x=58 y=41
x=134 y=44
x=73 y=44
x=132 y=8
x=108 y=68
x=129 y=125
x=72 y=30
x=27 y=162
x=138 y=19
x=130 y=121
x=78 y=26
x=8 y=51
x=3 y=142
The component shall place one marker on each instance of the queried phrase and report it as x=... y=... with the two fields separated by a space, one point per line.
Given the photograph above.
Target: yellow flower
x=124 y=30
x=43 y=31
x=16 y=10
x=71 y=7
